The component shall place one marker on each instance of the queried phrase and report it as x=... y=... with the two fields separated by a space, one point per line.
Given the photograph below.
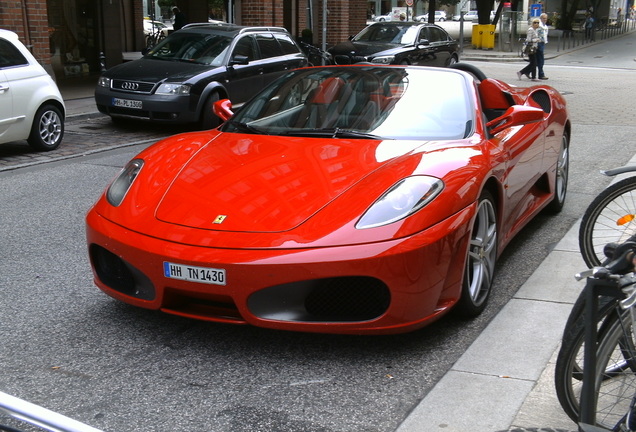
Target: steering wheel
x=473 y=70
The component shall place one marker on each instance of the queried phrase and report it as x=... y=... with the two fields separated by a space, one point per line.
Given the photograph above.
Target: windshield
x=401 y=34
x=200 y=48
x=361 y=102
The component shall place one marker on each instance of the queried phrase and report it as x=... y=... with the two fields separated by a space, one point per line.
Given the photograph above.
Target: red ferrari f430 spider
x=340 y=199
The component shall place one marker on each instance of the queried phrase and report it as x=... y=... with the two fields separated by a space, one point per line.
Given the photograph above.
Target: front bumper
x=379 y=288
x=165 y=109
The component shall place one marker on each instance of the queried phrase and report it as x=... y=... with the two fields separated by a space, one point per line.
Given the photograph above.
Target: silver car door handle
x=3 y=88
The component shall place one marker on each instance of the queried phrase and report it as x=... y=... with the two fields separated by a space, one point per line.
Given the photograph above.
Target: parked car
x=399 y=43
x=31 y=106
x=472 y=15
x=439 y=16
x=180 y=78
x=468 y=16
x=340 y=199
x=385 y=17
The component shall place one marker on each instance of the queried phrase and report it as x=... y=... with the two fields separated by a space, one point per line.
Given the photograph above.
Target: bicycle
x=153 y=38
x=315 y=55
x=598 y=332
x=611 y=217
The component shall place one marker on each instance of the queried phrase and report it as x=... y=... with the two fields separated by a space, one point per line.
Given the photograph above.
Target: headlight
x=119 y=188
x=383 y=59
x=403 y=199
x=104 y=82
x=173 y=89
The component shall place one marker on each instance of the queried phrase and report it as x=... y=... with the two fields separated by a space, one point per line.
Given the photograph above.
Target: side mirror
x=223 y=109
x=516 y=115
x=239 y=60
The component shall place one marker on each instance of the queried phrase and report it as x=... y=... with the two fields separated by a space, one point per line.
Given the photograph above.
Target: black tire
x=480 y=260
x=561 y=176
x=615 y=391
x=471 y=69
x=568 y=372
x=47 y=129
x=608 y=219
x=208 y=119
x=452 y=60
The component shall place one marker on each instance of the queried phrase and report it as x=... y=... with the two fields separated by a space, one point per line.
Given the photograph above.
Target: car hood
x=255 y=183
x=364 y=48
x=154 y=70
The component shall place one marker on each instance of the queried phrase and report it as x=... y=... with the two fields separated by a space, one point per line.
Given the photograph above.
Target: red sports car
x=340 y=199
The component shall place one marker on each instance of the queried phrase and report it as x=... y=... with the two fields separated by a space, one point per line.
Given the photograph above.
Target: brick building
x=79 y=37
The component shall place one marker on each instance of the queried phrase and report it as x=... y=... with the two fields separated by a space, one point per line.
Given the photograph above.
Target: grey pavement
x=504 y=381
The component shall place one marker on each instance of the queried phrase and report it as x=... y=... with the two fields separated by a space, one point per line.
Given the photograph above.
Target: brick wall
x=262 y=13
x=345 y=18
x=30 y=21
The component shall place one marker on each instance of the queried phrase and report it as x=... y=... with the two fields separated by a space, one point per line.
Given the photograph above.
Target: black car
x=182 y=76
x=399 y=43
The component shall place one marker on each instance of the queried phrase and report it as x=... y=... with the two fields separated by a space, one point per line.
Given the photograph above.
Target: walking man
x=543 y=36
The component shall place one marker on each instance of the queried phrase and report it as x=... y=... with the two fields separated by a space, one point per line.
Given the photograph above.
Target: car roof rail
x=241 y=29
x=276 y=29
x=207 y=24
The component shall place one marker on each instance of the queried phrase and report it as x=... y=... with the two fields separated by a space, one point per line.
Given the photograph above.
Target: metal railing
x=604 y=29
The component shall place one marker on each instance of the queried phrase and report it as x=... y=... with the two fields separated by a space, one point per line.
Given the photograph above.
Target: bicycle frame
x=600 y=282
x=594 y=288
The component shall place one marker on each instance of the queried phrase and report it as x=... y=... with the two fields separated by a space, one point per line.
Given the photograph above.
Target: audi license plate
x=127 y=103
x=194 y=274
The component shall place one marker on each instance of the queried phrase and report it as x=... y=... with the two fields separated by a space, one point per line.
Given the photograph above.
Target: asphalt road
x=69 y=347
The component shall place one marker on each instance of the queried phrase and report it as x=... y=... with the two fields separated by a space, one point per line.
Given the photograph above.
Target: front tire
x=47 y=129
x=208 y=119
x=481 y=258
x=568 y=372
x=615 y=390
x=611 y=217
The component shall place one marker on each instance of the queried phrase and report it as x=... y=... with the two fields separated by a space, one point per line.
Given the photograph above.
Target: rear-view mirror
x=223 y=109
x=516 y=115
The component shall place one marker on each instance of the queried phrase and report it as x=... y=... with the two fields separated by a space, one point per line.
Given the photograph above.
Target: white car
x=472 y=15
x=382 y=18
x=439 y=16
x=31 y=106
x=151 y=27
x=468 y=16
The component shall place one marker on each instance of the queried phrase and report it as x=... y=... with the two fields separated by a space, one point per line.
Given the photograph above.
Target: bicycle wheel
x=568 y=372
x=615 y=391
x=611 y=217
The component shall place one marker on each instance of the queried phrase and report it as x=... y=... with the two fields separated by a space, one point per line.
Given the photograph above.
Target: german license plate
x=194 y=274
x=127 y=103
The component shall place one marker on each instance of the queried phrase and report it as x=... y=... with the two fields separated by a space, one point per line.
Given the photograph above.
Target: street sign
x=409 y=2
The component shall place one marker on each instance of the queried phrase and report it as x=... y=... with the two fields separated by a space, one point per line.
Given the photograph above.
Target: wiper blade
x=331 y=132
x=244 y=127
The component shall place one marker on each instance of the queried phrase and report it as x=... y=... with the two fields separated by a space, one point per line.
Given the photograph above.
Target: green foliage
x=216 y=4
x=165 y=3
